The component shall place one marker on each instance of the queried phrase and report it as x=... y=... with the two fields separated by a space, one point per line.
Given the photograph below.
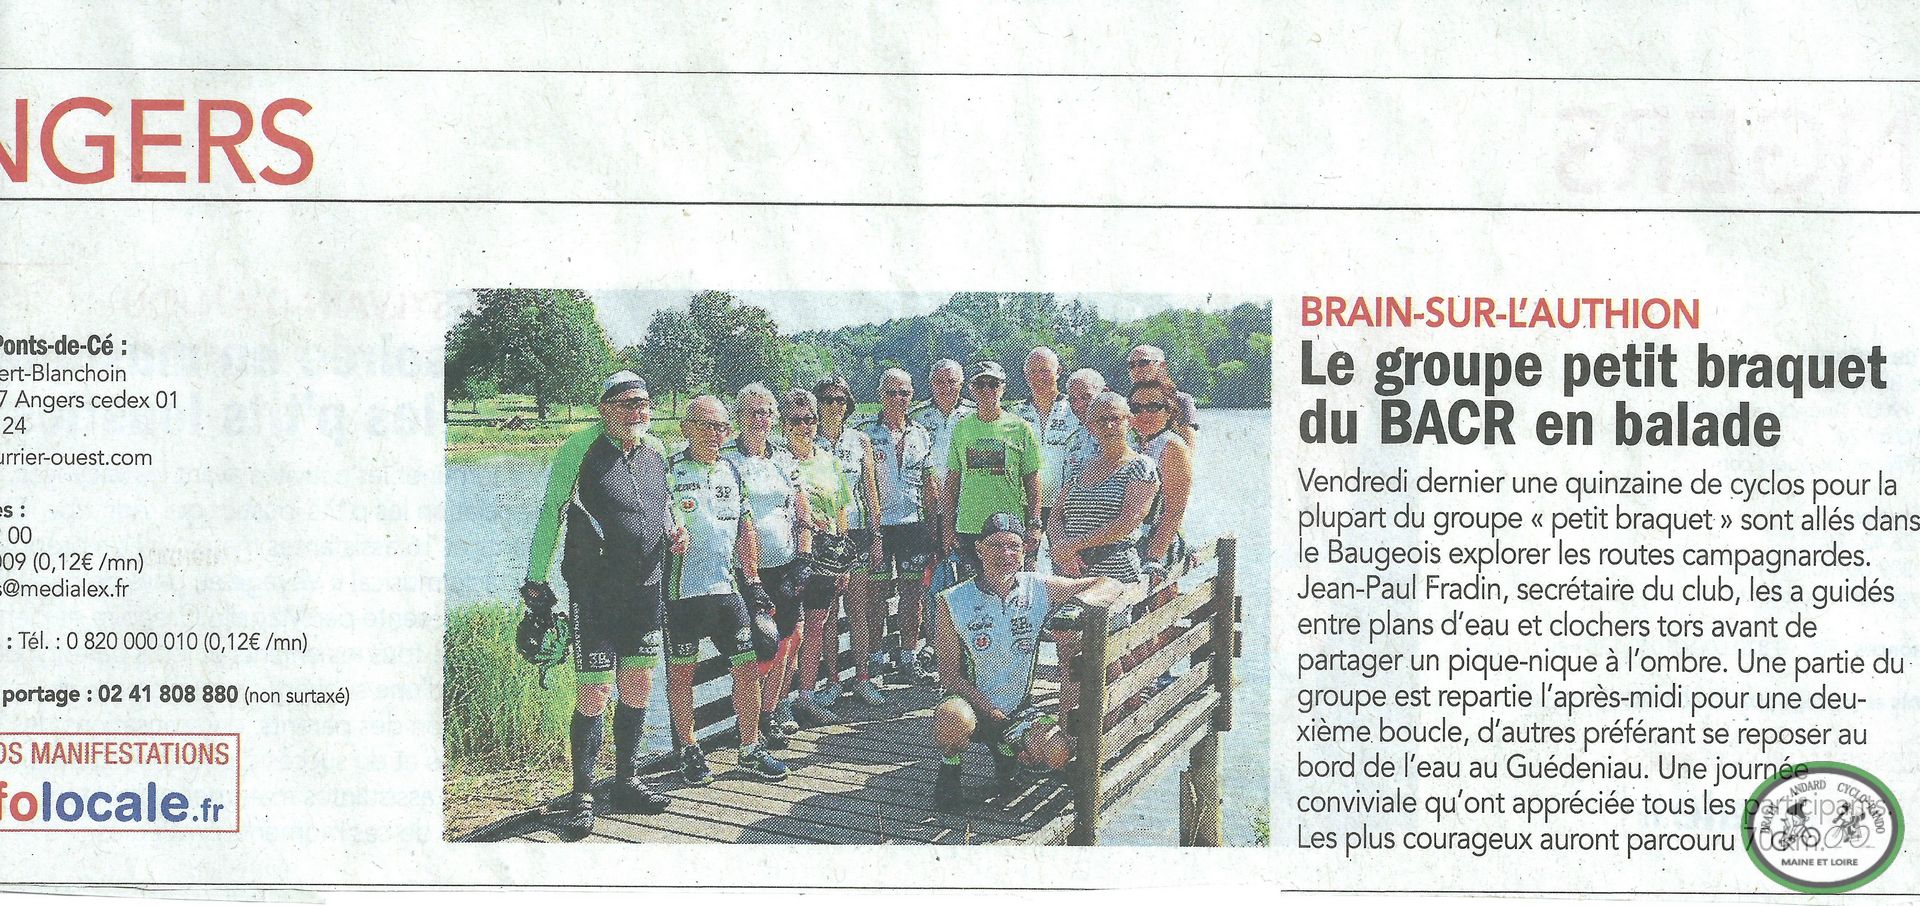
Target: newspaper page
x=1331 y=448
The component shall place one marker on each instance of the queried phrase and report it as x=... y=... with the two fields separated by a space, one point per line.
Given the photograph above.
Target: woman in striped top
x=1096 y=514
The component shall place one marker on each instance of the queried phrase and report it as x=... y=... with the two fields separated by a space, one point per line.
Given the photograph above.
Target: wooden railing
x=1122 y=734
x=713 y=706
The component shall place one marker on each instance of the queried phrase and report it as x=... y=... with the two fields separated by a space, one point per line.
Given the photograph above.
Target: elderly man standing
x=902 y=454
x=1149 y=363
x=938 y=415
x=1082 y=446
x=704 y=599
x=1052 y=419
x=609 y=485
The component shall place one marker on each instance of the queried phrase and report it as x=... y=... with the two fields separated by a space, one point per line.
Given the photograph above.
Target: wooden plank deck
x=867 y=780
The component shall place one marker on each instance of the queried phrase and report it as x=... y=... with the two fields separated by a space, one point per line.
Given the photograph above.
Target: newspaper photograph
x=758 y=521
x=1312 y=451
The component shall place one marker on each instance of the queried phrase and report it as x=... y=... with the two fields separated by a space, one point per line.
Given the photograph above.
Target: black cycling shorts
x=989 y=732
x=613 y=630
x=787 y=586
x=723 y=619
x=906 y=550
x=819 y=592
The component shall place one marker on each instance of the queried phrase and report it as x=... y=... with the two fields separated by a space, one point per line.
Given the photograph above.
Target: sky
x=625 y=312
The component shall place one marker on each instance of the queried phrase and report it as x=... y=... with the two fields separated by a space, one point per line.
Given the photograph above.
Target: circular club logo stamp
x=1823 y=827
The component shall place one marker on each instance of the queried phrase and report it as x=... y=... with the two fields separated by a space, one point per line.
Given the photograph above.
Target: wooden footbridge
x=869 y=779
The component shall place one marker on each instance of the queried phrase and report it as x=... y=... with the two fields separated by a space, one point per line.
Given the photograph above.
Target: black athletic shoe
x=772 y=733
x=946 y=790
x=693 y=766
x=1007 y=779
x=633 y=795
x=576 y=818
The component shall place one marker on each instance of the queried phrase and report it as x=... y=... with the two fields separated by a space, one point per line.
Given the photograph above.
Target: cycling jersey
x=1000 y=637
x=710 y=501
x=940 y=428
x=1082 y=448
x=850 y=449
x=770 y=481
x=615 y=506
x=1054 y=431
x=901 y=459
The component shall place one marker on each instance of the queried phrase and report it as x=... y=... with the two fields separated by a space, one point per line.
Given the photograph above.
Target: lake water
x=492 y=498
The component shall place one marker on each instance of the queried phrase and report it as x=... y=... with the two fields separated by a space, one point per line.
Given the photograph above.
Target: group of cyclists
x=788 y=508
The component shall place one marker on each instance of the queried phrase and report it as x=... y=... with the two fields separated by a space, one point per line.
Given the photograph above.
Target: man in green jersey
x=993 y=467
x=704 y=601
x=609 y=484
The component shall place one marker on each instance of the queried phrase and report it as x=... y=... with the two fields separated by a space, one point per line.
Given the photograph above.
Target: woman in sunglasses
x=1090 y=530
x=828 y=497
x=1152 y=406
x=854 y=450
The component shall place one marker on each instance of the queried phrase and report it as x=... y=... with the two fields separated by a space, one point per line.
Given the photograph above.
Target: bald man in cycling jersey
x=987 y=641
x=608 y=484
x=704 y=600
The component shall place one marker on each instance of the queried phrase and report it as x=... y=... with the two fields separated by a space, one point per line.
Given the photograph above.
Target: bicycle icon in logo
x=1798 y=832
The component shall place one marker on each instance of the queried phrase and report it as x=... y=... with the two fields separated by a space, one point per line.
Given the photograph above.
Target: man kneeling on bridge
x=989 y=670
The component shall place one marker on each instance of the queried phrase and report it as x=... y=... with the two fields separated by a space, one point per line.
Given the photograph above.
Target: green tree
x=807 y=363
x=675 y=358
x=546 y=342
x=467 y=376
x=1234 y=386
x=751 y=349
x=1260 y=364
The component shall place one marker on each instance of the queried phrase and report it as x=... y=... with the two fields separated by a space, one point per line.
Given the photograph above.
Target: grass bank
x=504 y=738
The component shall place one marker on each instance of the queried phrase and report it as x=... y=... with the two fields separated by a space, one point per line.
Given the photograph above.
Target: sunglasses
x=834 y=401
x=901 y=394
x=631 y=403
x=1142 y=363
x=1138 y=408
x=986 y=382
x=1108 y=421
x=756 y=413
x=717 y=427
x=800 y=420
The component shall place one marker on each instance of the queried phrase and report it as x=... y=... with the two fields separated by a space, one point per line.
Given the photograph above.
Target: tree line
x=549 y=343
